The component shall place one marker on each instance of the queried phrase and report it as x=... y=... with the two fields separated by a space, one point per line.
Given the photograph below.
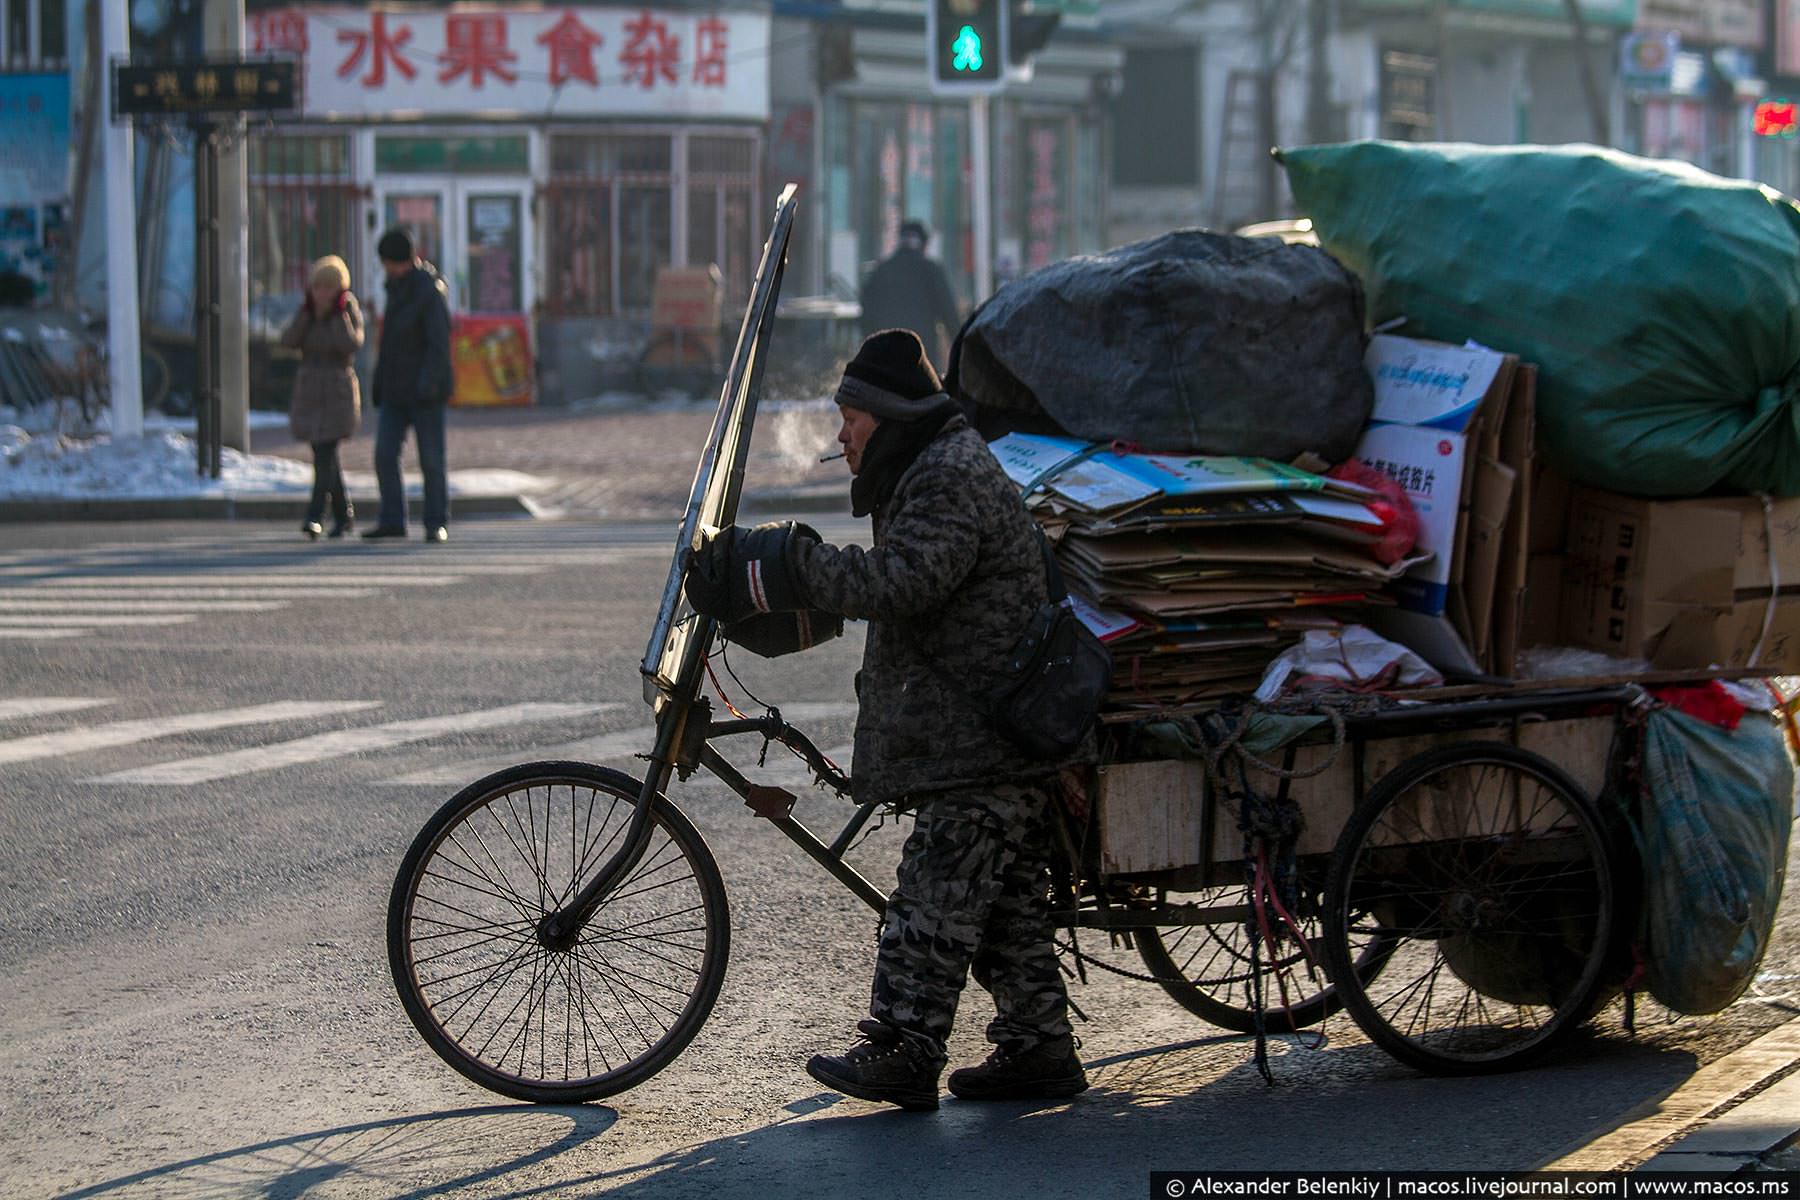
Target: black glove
x=741 y=572
x=775 y=634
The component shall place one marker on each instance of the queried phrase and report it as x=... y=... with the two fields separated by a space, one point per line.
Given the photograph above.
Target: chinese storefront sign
x=491 y=360
x=1715 y=22
x=207 y=87
x=559 y=62
x=1647 y=61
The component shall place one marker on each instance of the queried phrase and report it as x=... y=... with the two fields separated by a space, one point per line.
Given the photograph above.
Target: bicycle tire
x=1518 y=914
x=455 y=872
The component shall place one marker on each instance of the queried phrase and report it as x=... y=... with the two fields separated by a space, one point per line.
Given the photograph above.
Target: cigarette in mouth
x=829 y=457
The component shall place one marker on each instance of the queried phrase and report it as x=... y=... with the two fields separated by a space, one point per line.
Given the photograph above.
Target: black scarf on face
x=890 y=450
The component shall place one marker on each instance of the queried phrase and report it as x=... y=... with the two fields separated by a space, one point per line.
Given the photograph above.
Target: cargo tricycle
x=1437 y=864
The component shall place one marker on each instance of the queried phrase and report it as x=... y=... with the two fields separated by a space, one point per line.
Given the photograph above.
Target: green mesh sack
x=1712 y=831
x=1661 y=303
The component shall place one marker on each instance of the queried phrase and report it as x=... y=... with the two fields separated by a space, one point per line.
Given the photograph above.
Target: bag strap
x=1053 y=576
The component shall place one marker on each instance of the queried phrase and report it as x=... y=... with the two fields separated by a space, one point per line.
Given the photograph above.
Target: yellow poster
x=491 y=357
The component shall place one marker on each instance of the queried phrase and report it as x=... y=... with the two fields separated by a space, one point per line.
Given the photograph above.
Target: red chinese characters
x=650 y=52
x=277 y=31
x=380 y=47
x=571 y=45
x=475 y=45
x=709 y=52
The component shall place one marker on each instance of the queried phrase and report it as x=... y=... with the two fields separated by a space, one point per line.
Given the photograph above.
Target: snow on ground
x=158 y=464
x=37 y=462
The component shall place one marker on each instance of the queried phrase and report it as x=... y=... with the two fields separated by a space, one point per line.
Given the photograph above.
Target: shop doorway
x=474 y=231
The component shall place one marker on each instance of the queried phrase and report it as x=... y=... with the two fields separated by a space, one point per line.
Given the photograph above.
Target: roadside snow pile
x=158 y=464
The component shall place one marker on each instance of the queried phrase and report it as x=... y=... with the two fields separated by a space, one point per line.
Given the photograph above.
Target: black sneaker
x=382 y=532
x=884 y=1066
x=1048 y=1071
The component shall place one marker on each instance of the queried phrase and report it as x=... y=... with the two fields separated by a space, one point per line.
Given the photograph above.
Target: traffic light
x=966 y=45
x=1027 y=31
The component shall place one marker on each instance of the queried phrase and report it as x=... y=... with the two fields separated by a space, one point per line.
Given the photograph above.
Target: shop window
x=33 y=33
x=578 y=234
x=302 y=206
x=722 y=186
x=1046 y=196
x=610 y=216
x=1156 y=115
x=611 y=198
x=906 y=161
x=611 y=154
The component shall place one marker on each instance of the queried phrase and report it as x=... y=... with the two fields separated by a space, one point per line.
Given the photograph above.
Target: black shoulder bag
x=1055 y=677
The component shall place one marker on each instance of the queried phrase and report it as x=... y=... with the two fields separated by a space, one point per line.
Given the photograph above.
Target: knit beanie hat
x=396 y=245
x=891 y=378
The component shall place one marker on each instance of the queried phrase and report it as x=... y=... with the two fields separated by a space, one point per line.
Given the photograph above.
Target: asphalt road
x=194 y=997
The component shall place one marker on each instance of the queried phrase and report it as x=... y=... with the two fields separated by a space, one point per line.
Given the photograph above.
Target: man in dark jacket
x=907 y=290
x=412 y=386
x=955 y=574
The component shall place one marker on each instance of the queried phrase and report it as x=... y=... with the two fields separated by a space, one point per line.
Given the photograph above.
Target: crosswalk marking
x=343 y=742
x=259 y=580
x=9 y=604
x=609 y=747
x=43 y=706
x=199 y=593
x=42 y=633
x=124 y=733
x=39 y=620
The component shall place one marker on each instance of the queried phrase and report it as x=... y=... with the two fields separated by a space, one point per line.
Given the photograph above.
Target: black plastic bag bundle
x=1189 y=343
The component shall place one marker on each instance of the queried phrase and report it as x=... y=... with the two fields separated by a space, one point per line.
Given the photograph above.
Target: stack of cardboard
x=1197 y=571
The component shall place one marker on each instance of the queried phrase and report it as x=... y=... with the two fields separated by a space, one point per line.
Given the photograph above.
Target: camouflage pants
x=973 y=895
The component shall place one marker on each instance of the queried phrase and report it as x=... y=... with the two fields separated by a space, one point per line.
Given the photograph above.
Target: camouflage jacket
x=953 y=578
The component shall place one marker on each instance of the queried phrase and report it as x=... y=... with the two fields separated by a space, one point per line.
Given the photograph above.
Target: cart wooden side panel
x=1160 y=816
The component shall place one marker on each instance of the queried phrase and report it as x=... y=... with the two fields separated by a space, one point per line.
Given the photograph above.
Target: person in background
x=326 y=405
x=910 y=291
x=412 y=386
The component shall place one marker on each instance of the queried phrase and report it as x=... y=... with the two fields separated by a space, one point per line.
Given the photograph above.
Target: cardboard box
x=1701 y=636
x=1455 y=426
x=1683 y=583
x=1541 y=622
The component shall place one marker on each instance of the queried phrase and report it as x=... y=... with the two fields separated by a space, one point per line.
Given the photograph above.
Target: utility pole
x=981 y=206
x=1319 y=123
x=224 y=33
x=1590 y=86
x=123 y=352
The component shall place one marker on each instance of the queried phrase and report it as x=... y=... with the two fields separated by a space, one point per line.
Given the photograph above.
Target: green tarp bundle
x=1661 y=303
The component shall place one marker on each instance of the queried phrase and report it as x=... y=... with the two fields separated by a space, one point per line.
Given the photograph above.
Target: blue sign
x=34 y=137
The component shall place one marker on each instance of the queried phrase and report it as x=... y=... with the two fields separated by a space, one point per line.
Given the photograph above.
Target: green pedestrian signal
x=967 y=50
x=966 y=45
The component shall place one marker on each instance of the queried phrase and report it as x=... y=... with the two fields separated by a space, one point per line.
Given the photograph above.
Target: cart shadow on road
x=413 y=1156
x=1197 y=1104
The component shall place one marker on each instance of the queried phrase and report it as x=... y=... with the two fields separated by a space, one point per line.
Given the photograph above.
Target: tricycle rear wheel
x=1491 y=872
x=1206 y=968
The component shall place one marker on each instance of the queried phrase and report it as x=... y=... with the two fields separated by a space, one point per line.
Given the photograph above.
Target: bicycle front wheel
x=544 y=1023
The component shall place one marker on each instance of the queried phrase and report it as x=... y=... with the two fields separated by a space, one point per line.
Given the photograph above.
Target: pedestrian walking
x=326 y=407
x=955 y=573
x=412 y=387
x=907 y=290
